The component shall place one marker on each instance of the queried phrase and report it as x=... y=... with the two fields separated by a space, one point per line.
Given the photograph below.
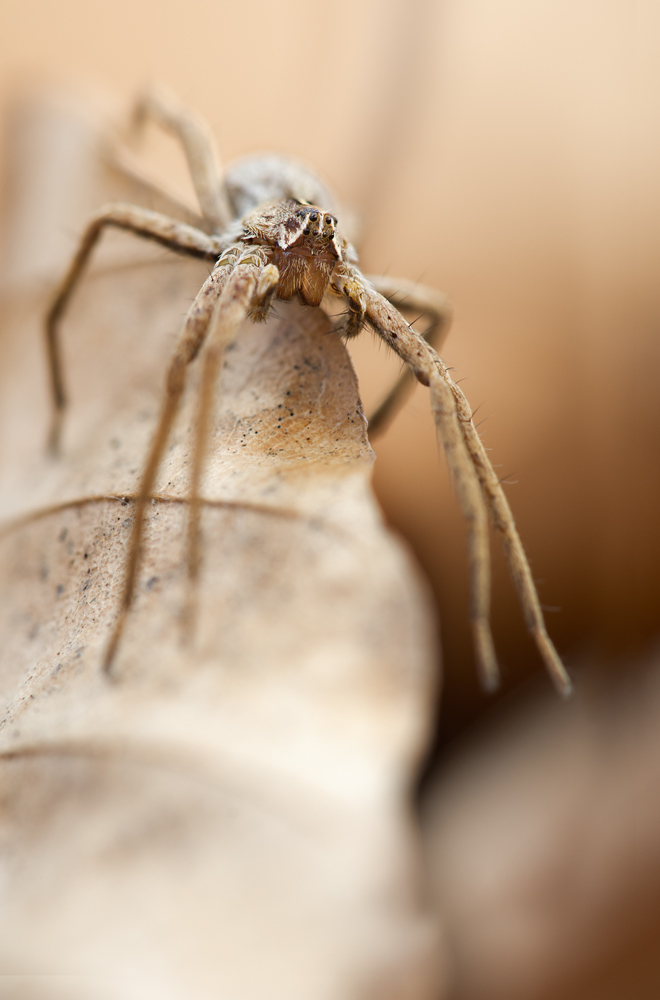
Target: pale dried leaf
x=238 y=807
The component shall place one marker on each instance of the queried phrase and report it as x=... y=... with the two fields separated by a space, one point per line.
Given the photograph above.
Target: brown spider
x=269 y=227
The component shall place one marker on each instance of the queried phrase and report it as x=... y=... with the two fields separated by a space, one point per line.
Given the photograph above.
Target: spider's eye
x=314 y=216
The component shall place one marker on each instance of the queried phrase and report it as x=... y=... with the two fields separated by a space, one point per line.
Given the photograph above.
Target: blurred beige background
x=509 y=154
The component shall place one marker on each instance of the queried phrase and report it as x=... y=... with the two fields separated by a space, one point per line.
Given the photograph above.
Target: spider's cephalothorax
x=268 y=240
x=302 y=242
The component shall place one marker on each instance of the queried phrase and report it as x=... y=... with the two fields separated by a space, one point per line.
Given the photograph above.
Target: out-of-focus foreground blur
x=509 y=154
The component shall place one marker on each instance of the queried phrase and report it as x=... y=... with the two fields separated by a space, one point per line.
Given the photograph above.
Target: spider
x=270 y=230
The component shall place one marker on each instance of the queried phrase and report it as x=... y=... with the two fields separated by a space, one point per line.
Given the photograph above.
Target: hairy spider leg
x=465 y=453
x=168 y=232
x=249 y=289
x=437 y=309
x=503 y=520
x=201 y=317
x=414 y=350
x=199 y=147
x=468 y=464
x=149 y=190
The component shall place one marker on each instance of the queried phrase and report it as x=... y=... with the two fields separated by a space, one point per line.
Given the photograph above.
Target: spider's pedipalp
x=351 y=285
x=264 y=294
x=168 y=232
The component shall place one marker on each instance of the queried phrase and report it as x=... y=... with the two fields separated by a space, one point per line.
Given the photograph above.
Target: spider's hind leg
x=161 y=106
x=146 y=189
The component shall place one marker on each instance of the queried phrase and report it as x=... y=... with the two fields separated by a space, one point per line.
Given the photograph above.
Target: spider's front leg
x=220 y=306
x=503 y=520
x=249 y=292
x=414 y=351
x=436 y=309
x=469 y=465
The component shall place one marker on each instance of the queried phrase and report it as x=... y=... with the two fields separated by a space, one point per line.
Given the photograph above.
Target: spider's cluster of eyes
x=314 y=221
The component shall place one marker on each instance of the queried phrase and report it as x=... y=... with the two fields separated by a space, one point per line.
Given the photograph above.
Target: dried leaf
x=235 y=807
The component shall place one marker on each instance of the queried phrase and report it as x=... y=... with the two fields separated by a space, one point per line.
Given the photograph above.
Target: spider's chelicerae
x=269 y=227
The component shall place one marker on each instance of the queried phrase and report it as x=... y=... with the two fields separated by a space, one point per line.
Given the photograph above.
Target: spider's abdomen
x=254 y=180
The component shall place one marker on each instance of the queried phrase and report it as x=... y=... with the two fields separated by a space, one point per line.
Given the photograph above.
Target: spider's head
x=311 y=230
x=316 y=223
x=286 y=224
x=303 y=242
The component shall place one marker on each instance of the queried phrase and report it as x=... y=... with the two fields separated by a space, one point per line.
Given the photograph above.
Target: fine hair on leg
x=503 y=520
x=437 y=310
x=161 y=106
x=414 y=350
x=466 y=464
x=248 y=284
x=173 y=235
x=195 y=329
x=123 y=162
x=284 y=245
